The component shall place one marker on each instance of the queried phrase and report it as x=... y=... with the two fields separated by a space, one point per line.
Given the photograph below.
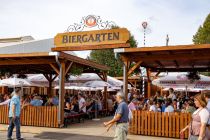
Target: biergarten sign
x=95 y=39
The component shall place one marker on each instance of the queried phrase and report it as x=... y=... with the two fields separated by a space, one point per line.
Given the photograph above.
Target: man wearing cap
x=120 y=118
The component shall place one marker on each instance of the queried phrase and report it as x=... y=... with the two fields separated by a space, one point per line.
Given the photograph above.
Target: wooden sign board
x=88 y=40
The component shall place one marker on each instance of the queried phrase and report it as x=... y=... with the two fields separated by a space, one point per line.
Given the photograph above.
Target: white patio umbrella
x=40 y=79
x=108 y=89
x=17 y=82
x=96 y=84
x=85 y=77
x=78 y=88
x=180 y=81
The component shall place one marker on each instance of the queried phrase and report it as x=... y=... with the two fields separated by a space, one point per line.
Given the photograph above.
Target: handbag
x=192 y=137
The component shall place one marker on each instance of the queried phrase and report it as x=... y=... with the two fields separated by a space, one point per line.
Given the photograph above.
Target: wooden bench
x=71 y=118
x=100 y=113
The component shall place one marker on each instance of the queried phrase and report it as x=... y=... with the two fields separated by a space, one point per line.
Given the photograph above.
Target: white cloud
x=44 y=18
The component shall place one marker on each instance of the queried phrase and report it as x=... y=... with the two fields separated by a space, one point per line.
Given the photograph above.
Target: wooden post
x=135 y=85
x=50 y=86
x=161 y=91
x=148 y=83
x=103 y=77
x=50 y=79
x=125 y=80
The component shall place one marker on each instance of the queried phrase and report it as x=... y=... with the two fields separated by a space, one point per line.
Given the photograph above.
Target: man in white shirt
x=152 y=105
x=6 y=100
x=207 y=97
x=169 y=107
x=82 y=103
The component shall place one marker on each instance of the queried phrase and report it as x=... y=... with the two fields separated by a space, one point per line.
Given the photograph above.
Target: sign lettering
x=88 y=38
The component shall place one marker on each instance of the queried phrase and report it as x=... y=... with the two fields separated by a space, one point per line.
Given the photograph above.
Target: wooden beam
x=156 y=75
x=159 y=63
x=125 y=59
x=27 y=62
x=148 y=74
x=55 y=68
x=177 y=57
x=47 y=77
x=148 y=83
x=167 y=48
x=68 y=67
x=55 y=76
x=82 y=61
x=101 y=76
x=91 y=47
x=176 y=64
x=201 y=69
x=134 y=67
x=20 y=55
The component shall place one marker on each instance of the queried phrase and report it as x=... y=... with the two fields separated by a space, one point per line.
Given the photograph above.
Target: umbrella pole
x=186 y=90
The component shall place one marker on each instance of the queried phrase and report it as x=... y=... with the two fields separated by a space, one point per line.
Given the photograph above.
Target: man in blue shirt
x=121 y=118
x=14 y=115
x=36 y=101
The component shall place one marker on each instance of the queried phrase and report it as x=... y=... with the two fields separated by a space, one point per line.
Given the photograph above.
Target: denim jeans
x=14 y=123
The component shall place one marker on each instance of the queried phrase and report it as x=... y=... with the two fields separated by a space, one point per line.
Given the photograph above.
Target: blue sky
x=45 y=18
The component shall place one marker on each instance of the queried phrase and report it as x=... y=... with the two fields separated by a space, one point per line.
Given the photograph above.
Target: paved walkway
x=89 y=130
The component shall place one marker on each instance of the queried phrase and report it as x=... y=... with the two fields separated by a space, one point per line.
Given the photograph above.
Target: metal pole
x=60 y=92
x=143 y=84
x=144 y=38
x=167 y=39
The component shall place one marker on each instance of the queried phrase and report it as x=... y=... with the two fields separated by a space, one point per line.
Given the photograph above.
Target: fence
x=159 y=124
x=45 y=116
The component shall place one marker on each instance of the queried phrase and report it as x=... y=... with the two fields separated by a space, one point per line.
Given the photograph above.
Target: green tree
x=202 y=36
x=107 y=57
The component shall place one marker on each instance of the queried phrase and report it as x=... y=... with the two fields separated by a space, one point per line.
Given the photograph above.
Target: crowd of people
x=79 y=102
x=169 y=102
x=85 y=102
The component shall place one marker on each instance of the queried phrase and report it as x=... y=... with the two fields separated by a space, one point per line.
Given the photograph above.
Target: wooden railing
x=45 y=116
x=159 y=124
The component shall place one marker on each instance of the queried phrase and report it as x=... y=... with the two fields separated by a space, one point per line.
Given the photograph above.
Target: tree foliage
x=202 y=36
x=107 y=57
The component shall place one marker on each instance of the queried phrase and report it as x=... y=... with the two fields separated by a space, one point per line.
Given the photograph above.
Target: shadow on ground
x=67 y=136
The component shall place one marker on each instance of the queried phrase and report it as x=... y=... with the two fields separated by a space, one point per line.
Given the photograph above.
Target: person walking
x=14 y=115
x=120 y=119
x=198 y=129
